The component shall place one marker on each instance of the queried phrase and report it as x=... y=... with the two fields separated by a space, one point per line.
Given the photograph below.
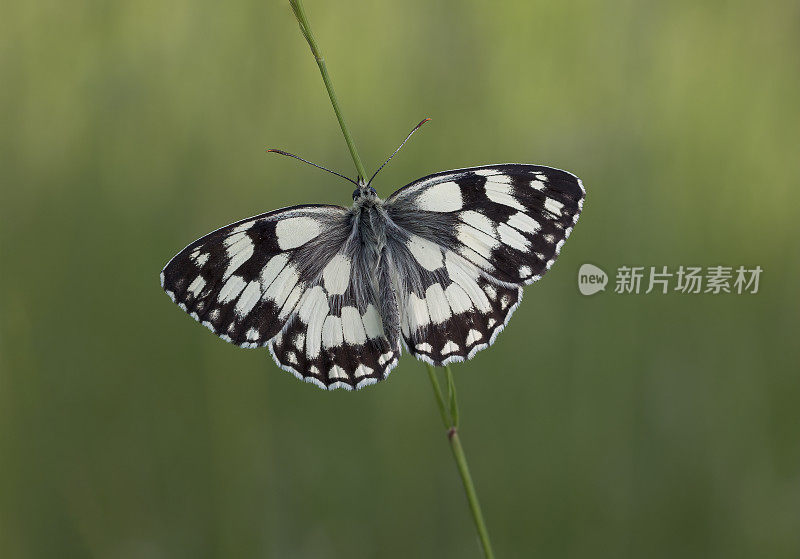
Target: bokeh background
x=604 y=426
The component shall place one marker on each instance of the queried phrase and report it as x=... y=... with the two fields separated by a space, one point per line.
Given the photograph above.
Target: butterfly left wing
x=465 y=243
x=289 y=280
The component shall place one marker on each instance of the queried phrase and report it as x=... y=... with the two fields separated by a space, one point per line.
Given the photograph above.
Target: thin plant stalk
x=451 y=424
x=449 y=409
x=305 y=29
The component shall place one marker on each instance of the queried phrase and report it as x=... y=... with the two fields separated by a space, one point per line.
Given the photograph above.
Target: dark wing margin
x=467 y=241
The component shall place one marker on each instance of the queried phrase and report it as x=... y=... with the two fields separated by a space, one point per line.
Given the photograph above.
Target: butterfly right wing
x=466 y=241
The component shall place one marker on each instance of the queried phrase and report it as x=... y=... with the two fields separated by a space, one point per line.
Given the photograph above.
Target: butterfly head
x=364 y=193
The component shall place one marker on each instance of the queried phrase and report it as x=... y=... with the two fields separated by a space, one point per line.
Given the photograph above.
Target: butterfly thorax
x=369 y=217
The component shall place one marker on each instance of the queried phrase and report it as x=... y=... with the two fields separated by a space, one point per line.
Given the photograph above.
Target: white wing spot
x=313 y=310
x=476 y=240
x=502 y=194
x=437 y=304
x=442 y=197
x=473 y=336
x=428 y=254
x=248 y=299
x=524 y=222
x=373 y=326
x=363 y=371
x=291 y=301
x=352 y=327
x=385 y=358
x=197 y=285
x=293 y=232
x=450 y=347
x=475 y=258
x=425 y=347
x=332 y=332
x=336 y=275
x=478 y=221
x=524 y=271
x=280 y=289
x=231 y=289
x=239 y=252
x=417 y=312
x=512 y=237
x=500 y=178
x=553 y=206
x=465 y=275
x=458 y=298
x=337 y=372
x=273 y=268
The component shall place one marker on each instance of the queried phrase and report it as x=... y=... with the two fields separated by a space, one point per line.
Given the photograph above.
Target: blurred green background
x=606 y=426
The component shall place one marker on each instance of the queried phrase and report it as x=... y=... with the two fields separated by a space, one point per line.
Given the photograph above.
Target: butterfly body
x=335 y=293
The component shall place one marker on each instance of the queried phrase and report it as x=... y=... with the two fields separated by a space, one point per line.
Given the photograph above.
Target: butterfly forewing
x=509 y=220
x=467 y=240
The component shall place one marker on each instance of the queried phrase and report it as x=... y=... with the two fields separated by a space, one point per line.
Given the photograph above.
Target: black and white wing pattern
x=289 y=280
x=465 y=242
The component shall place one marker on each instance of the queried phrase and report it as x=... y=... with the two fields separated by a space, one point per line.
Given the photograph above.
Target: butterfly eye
x=355 y=193
x=373 y=191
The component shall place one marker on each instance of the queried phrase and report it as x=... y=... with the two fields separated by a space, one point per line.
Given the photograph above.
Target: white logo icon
x=591 y=279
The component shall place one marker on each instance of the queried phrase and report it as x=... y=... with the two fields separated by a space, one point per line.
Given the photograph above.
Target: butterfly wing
x=288 y=280
x=466 y=241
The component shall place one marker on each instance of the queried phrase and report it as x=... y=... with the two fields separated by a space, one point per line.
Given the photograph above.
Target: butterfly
x=334 y=293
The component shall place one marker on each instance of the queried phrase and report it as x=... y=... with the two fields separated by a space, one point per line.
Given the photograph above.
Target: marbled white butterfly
x=332 y=291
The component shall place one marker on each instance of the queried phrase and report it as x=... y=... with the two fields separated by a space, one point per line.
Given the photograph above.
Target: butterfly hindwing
x=337 y=338
x=467 y=241
x=452 y=312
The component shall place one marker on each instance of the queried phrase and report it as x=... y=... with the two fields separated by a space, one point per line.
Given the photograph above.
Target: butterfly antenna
x=281 y=152
x=417 y=127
